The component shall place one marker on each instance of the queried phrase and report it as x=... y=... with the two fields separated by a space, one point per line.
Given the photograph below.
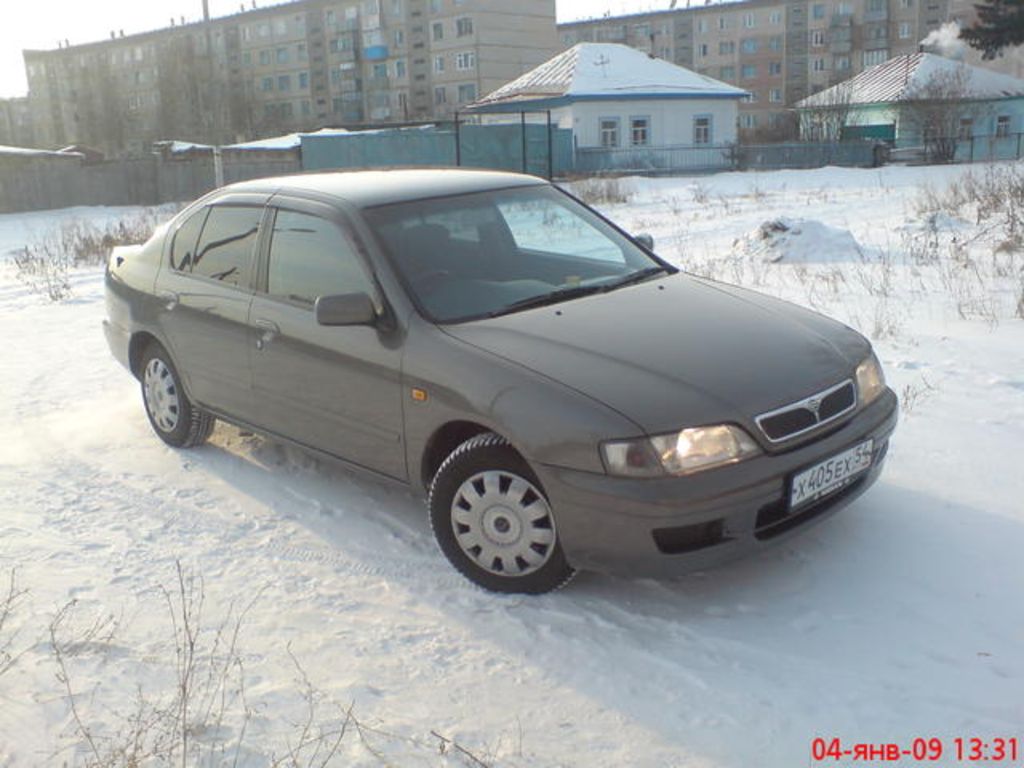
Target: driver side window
x=312 y=257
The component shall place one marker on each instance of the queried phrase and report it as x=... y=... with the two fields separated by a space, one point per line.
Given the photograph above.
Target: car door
x=205 y=290
x=336 y=389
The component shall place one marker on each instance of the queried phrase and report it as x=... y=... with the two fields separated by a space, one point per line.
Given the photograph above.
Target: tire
x=174 y=418
x=493 y=521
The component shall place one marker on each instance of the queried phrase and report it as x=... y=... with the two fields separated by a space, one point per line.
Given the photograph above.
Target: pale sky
x=35 y=24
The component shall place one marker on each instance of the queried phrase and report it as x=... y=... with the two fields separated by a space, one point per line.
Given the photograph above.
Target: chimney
x=206 y=10
x=172 y=21
x=113 y=35
x=122 y=33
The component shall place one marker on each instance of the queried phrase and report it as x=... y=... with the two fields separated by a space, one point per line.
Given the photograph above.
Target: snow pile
x=800 y=241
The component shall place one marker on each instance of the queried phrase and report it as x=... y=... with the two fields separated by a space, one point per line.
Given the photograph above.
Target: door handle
x=269 y=329
x=170 y=299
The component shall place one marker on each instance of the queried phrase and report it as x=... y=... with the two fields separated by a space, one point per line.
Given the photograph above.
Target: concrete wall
x=671 y=121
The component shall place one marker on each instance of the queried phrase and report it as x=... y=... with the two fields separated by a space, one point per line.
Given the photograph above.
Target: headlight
x=870 y=379
x=679 y=453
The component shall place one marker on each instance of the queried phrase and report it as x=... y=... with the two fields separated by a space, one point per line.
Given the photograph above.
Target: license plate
x=830 y=475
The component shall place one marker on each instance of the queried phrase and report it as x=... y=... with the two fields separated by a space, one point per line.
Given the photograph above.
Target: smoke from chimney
x=945 y=41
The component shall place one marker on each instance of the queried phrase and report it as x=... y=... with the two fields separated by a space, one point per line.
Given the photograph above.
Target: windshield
x=502 y=251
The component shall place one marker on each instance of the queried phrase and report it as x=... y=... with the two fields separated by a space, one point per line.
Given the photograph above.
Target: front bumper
x=668 y=526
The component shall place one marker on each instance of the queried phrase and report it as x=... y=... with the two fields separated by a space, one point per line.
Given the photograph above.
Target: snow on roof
x=29 y=152
x=607 y=71
x=899 y=77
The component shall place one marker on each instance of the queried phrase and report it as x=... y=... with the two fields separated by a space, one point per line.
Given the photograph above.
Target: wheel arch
x=136 y=348
x=446 y=439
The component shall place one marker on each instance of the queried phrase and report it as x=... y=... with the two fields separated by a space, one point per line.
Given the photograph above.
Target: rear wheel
x=175 y=419
x=493 y=521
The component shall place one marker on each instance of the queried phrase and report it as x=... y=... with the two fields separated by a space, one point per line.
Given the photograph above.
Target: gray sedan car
x=566 y=399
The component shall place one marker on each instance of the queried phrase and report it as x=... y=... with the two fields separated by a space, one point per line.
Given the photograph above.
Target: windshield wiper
x=636 y=277
x=562 y=294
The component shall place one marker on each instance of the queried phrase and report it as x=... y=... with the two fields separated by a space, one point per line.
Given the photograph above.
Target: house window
x=702 y=129
x=749 y=45
x=775 y=17
x=465 y=60
x=775 y=95
x=437 y=31
x=439 y=63
x=639 y=131
x=464 y=26
x=609 y=130
x=774 y=67
x=775 y=43
x=1002 y=126
x=871 y=58
x=748 y=71
x=818 y=11
x=904 y=30
x=748 y=20
x=817 y=38
x=726 y=47
x=440 y=95
x=818 y=64
x=966 y=128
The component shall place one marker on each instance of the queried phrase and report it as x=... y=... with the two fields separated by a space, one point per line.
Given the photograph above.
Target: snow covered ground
x=899 y=618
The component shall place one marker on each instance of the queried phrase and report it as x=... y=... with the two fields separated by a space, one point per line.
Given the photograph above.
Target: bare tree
x=941 y=112
x=827 y=113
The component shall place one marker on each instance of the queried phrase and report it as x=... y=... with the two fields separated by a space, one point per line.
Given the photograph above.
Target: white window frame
x=608 y=127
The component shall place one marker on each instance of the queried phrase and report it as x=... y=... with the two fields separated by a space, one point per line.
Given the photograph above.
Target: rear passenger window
x=183 y=250
x=312 y=257
x=226 y=245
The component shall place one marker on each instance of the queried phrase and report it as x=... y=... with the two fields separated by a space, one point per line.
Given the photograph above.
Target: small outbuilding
x=944 y=108
x=614 y=97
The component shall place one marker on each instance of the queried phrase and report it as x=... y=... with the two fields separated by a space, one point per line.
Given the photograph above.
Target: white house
x=613 y=96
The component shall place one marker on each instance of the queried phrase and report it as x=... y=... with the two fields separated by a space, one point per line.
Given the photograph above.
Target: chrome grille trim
x=805 y=405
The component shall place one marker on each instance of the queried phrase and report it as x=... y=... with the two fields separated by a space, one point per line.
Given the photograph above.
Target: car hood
x=678 y=351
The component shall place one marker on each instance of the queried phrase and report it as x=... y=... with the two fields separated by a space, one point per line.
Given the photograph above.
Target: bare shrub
x=701 y=193
x=10 y=598
x=595 y=191
x=914 y=393
x=44 y=268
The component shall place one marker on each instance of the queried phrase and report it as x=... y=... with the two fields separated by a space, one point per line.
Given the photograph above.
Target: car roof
x=368 y=188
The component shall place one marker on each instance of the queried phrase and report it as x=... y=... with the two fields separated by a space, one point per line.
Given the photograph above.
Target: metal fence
x=702 y=159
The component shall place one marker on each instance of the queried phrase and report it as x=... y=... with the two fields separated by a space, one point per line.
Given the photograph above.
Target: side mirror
x=646 y=241
x=345 y=309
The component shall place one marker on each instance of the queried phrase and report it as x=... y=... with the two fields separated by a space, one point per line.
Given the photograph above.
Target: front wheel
x=175 y=419
x=493 y=521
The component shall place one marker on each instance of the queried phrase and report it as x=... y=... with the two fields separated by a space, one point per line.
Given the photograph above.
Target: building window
x=726 y=47
x=639 y=131
x=267 y=84
x=399 y=38
x=871 y=58
x=818 y=65
x=748 y=20
x=752 y=98
x=749 y=45
x=337 y=105
x=702 y=26
x=437 y=31
x=775 y=43
x=775 y=95
x=723 y=22
x=774 y=67
x=905 y=4
x=467 y=92
x=702 y=50
x=301 y=53
x=465 y=60
x=400 y=69
x=306 y=108
x=282 y=55
x=817 y=38
x=609 y=130
x=281 y=27
x=876 y=6
x=748 y=121
x=303 y=80
x=904 y=30
x=818 y=11
x=439 y=63
x=380 y=70
x=440 y=95
x=702 y=129
x=775 y=17
x=463 y=26
x=748 y=71
x=727 y=73
x=284 y=83
x=966 y=128
x=844 y=9
x=842 y=63
x=264 y=58
x=435 y=7
x=1002 y=126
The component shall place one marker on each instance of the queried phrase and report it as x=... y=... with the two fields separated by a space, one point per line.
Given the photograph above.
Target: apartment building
x=15 y=123
x=781 y=51
x=295 y=66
